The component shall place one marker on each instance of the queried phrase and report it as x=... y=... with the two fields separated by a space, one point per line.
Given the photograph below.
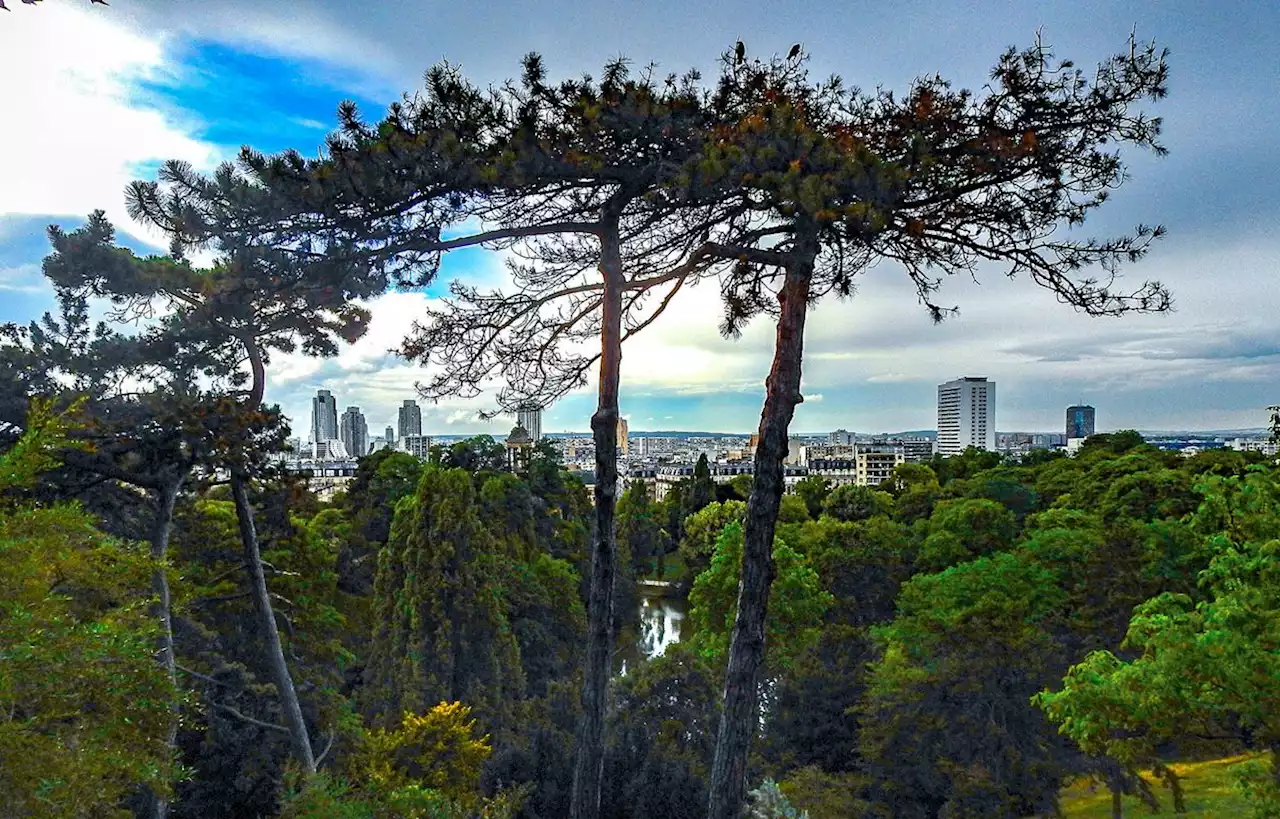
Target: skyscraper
x=324 y=417
x=966 y=415
x=1080 y=421
x=355 y=433
x=530 y=417
x=410 y=420
x=390 y=435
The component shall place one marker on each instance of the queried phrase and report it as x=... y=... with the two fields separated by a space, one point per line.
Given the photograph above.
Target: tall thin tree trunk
x=1174 y=782
x=166 y=498
x=293 y=720
x=298 y=736
x=738 y=716
x=588 y=765
x=1117 y=803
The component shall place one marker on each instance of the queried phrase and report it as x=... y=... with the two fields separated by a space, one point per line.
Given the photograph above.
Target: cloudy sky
x=95 y=96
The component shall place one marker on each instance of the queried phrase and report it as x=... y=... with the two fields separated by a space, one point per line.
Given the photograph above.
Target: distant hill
x=661 y=433
x=1250 y=432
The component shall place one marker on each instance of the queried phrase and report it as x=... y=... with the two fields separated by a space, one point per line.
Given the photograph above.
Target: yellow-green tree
x=84 y=708
x=427 y=767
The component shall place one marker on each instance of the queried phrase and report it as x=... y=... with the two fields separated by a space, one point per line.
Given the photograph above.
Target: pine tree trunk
x=298 y=736
x=739 y=717
x=293 y=720
x=588 y=765
x=1117 y=806
x=166 y=498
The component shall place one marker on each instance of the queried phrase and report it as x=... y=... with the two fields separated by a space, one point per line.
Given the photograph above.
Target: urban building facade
x=409 y=421
x=875 y=463
x=390 y=435
x=668 y=476
x=811 y=452
x=330 y=449
x=1080 y=421
x=841 y=437
x=1264 y=445
x=354 y=433
x=324 y=417
x=966 y=415
x=418 y=446
x=836 y=470
x=915 y=450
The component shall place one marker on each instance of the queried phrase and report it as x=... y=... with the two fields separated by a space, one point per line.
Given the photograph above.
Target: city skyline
x=502 y=425
x=137 y=86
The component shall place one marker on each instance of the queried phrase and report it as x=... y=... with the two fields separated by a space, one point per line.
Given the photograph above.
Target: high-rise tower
x=966 y=415
x=530 y=417
x=355 y=433
x=410 y=419
x=1080 y=421
x=324 y=417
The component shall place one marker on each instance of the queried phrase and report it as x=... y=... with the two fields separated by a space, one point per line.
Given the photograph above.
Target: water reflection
x=660 y=620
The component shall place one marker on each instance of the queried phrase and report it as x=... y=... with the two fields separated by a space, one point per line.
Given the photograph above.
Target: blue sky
x=102 y=95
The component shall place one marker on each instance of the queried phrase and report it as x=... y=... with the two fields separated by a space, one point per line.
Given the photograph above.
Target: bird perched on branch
x=794 y=52
x=4 y=7
x=740 y=51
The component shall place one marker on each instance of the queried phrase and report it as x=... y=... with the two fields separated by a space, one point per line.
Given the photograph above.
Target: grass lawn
x=1209 y=788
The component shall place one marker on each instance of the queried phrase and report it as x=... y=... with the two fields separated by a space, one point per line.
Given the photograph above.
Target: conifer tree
x=441 y=630
x=570 y=176
x=939 y=181
x=140 y=417
x=253 y=300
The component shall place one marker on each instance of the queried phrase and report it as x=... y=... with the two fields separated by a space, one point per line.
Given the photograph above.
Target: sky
x=95 y=96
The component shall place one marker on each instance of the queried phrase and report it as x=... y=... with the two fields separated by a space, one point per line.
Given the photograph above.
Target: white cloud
x=75 y=133
x=889 y=378
x=814 y=398
x=460 y=417
x=21 y=279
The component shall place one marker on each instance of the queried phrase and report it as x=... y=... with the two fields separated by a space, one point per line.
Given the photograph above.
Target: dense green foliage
x=83 y=706
x=958 y=642
x=962 y=645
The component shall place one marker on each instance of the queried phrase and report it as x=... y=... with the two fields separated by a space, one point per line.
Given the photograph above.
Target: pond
x=661 y=617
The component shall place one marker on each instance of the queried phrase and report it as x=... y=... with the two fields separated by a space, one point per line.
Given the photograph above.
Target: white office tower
x=410 y=420
x=355 y=433
x=966 y=415
x=324 y=417
x=530 y=417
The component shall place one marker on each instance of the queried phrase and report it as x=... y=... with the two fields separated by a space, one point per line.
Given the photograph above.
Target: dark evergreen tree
x=441 y=633
x=640 y=526
x=701 y=491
